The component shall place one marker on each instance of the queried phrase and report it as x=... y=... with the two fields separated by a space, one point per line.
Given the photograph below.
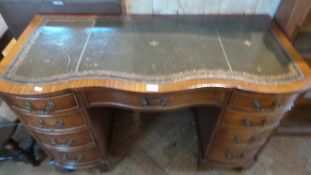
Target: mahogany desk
x=239 y=74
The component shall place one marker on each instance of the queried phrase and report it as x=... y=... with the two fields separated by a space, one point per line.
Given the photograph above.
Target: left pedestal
x=63 y=128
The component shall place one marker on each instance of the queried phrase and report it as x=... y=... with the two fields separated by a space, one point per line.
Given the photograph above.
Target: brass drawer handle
x=248 y=122
x=256 y=104
x=27 y=106
x=58 y=124
x=164 y=101
x=77 y=159
x=228 y=156
x=237 y=139
x=68 y=143
x=48 y=107
x=143 y=102
x=153 y=100
x=278 y=102
x=40 y=123
x=252 y=140
x=53 y=142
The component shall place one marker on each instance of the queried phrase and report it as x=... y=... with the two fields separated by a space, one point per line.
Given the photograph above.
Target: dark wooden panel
x=101 y=124
x=206 y=119
x=4 y=41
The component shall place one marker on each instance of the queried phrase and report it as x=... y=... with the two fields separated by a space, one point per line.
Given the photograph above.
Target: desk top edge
x=28 y=89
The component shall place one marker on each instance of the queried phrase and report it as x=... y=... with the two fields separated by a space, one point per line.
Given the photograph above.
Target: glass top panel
x=153 y=49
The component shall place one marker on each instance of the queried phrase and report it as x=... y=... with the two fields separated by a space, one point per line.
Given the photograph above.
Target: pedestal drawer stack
x=60 y=127
x=247 y=124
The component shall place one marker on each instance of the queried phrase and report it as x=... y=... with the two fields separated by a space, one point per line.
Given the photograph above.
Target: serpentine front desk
x=64 y=67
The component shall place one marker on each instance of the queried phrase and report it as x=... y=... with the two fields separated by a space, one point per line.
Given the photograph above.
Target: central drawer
x=154 y=100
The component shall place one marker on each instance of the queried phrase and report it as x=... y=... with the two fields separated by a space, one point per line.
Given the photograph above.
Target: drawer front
x=261 y=103
x=56 y=122
x=238 y=138
x=65 y=141
x=76 y=157
x=44 y=105
x=251 y=121
x=230 y=155
x=154 y=100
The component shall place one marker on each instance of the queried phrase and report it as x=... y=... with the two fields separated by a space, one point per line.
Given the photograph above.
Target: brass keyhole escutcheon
x=237 y=139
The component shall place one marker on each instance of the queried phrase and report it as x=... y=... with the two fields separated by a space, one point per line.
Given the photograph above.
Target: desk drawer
x=237 y=138
x=56 y=122
x=251 y=121
x=77 y=157
x=44 y=105
x=154 y=100
x=65 y=141
x=260 y=102
x=231 y=155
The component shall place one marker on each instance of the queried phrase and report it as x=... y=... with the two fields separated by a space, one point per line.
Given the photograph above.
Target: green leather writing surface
x=153 y=49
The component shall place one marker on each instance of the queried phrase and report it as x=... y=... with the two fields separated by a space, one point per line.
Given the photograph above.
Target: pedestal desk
x=238 y=74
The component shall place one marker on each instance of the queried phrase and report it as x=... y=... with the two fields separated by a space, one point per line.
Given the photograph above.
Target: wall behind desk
x=201 y=6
